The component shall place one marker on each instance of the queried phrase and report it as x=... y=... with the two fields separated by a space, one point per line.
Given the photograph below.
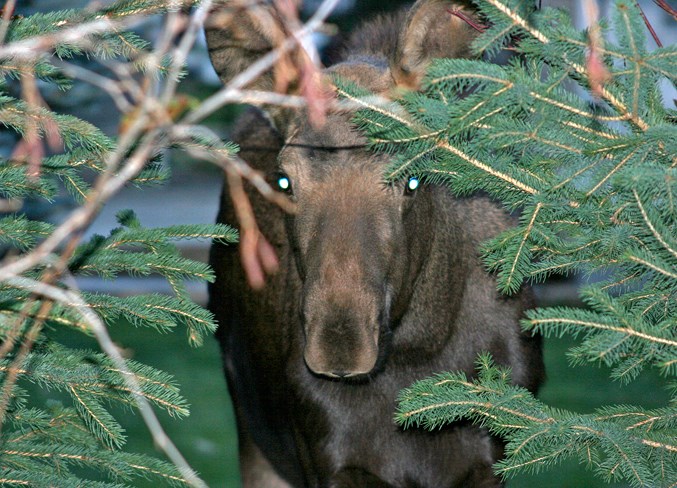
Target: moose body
x=378 y=286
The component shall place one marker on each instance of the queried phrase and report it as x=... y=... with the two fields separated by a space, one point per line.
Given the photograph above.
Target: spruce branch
x=618 y=442
x=513 y=278
x=394 y=113
x=100 y=332
x=663 y=239
x=596 y=193
x=482 y=166
x=518 y=21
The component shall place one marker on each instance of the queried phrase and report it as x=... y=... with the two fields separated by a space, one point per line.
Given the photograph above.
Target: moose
x=378 y=285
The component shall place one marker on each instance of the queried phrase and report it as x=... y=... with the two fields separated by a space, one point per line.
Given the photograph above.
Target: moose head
x=358 y=243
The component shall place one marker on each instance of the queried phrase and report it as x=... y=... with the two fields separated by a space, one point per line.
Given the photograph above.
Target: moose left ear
x=431 y=31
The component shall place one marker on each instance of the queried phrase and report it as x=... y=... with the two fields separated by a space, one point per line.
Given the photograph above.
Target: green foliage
x=105 y=45
x=593 y=170
x=619 y=443
x=90 y=378
x=45 y=447
x=65 y=443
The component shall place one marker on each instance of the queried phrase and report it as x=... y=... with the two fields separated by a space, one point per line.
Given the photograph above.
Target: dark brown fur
x=376 y=289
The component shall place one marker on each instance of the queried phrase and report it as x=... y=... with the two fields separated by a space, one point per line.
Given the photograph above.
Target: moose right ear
x=432 y=30
x=238 y=33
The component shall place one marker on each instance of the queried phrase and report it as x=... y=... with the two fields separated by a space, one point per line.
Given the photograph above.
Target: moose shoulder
x=378 y=285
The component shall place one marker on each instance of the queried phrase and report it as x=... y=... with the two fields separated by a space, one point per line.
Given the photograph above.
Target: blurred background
x=208 y=438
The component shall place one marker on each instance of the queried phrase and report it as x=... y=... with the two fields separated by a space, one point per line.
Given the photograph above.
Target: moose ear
x=238 y=33
x=432 y=30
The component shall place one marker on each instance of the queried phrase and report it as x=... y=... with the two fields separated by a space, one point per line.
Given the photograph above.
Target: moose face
x=352 y=236
x=349 y=241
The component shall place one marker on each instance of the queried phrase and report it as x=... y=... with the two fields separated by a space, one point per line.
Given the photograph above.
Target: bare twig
x=9 y=381
x=146 y=133
x=75 y=32
x=219 y=99
x=7 y=12
x=31 y=147
x=258 y=256
x=457 y=12
x=110 y=86
x=598 y=74
x=666 y=6
x=180 y=55
x=136 y=146
x=9 y=205
x=184 y=134
x=308 y=66
x=648 y=25
x=127 y=81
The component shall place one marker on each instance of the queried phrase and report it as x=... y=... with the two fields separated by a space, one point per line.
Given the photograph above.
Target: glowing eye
x=412 y=184
x=283 y=183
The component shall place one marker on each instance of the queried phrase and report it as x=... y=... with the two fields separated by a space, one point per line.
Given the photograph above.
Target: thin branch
x=112 y=87
x=527 y=233
x=7 y=12
x=181 y=53
x=611 y=173
x=612 y=99
x=659 y=445
x=666 y=6
x=457 y=11
x=648 y=222
x=267 y=61
x=487 y=405
x=598 y=74
x=611 y=328
x=36 y=47
x=48 y=278
x=148 y=131
x=81 y=218
x=648 y=25
x=487 y=169
x=653 y=266
x=75 y=32
x=25 y=348
x=183 y=134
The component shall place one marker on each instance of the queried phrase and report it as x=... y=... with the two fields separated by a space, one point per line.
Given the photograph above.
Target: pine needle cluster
x=591 y=163
x=62 y=444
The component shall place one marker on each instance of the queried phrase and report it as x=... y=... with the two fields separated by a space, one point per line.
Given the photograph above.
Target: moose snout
x=341 y=343
x=346 y=290
x=334 y=360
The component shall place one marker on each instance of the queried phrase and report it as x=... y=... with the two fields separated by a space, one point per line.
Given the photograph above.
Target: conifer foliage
x=62 y=444
x=576 y=135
